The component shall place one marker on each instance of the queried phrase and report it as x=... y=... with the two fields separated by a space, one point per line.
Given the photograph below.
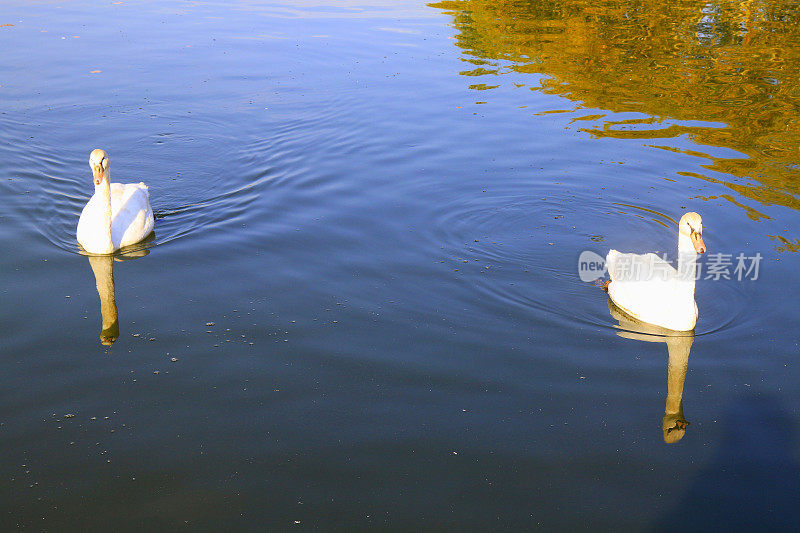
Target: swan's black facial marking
x=693 y=231
x=697 y=240
x=98 y=161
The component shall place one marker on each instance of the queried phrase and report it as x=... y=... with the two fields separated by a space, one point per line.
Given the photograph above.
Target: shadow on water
x=753 y=482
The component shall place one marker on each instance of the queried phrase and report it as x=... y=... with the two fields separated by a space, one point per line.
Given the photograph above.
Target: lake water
x=361 y=308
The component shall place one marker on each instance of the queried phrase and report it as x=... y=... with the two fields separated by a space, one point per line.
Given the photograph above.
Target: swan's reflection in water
x=103 y=269
x=679 y=344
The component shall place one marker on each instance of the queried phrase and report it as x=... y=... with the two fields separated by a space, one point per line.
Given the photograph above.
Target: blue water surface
x=361 y=306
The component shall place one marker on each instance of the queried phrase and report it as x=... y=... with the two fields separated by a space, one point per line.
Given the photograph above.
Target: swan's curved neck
x=103 y=193
x=687 y=263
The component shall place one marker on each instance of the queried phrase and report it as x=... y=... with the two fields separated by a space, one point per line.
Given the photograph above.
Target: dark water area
x=361 y=307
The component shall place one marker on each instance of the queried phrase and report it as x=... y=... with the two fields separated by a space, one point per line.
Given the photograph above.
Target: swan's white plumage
x=650 y=289
x=131 y=217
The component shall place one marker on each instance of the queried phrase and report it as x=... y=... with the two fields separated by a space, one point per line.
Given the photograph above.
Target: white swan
x=116 y=215
x=650 y=289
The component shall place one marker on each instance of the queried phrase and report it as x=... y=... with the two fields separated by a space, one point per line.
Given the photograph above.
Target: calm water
x=361 y=308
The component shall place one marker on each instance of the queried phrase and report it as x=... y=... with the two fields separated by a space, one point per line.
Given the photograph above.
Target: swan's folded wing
x=132 y=216
x=640 y=282
x=636 y=268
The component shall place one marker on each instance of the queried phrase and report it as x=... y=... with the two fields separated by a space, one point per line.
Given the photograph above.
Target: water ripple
x=520 y=250
x=52 y=202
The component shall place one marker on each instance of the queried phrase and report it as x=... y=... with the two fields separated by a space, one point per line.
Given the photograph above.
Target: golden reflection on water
x=724 y=74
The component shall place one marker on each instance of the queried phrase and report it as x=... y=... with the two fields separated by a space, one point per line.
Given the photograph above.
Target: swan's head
x=98 y=162
x=691 y=225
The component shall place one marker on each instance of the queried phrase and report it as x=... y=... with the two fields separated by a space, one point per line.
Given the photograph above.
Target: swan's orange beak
x=697 y=241
x=98 y=174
